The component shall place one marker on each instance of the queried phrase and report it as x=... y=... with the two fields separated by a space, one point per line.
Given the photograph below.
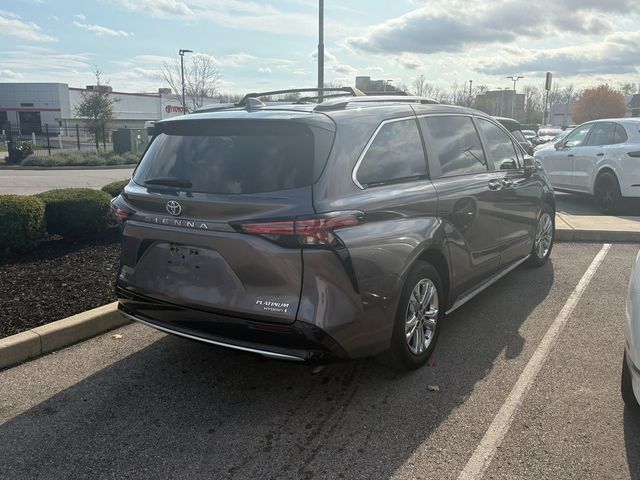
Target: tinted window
x=620 y=135
x=500 y=148
x=602 y=134
x=577 y=137
x=456 y=143
x=395 y=154
x=238 y=157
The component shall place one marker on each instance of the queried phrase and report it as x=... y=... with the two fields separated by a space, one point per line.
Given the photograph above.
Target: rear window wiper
x=169 y=182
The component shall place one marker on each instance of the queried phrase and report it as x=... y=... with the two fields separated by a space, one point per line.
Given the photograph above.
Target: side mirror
x=559 y=145
x=529 y=165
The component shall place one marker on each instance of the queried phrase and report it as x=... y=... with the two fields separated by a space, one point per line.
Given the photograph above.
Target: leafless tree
x=201 y=79
x=533 y=104
x=629 y=88
x=230 y=97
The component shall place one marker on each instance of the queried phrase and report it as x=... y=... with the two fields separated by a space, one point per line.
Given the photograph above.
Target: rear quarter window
x=395 y=154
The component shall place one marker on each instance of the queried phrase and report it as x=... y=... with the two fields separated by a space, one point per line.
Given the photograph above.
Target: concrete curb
x=56 y=335
x=575 y=235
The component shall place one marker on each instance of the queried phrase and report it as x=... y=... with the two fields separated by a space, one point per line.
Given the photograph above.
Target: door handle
x=495 y=185
x=507 y=183
x=600 y=155
x=570 y=155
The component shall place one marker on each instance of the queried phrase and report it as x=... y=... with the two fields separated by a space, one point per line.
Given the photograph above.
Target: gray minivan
x=313 y=231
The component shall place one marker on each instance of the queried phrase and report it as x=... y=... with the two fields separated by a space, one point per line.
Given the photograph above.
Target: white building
x=33 y=106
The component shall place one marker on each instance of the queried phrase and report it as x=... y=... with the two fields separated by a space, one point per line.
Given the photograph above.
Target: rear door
x=562 y=161
x=520 y=195
x=468 y=197
x=594 y=150
x=202 y=195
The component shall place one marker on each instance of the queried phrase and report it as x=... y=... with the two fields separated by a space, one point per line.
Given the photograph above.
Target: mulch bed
x=57 y=280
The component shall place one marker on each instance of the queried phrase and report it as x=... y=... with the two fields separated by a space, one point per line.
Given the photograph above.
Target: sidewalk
x=577 y=219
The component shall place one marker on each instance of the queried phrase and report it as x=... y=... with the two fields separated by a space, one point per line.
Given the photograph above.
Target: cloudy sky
x=272 y=44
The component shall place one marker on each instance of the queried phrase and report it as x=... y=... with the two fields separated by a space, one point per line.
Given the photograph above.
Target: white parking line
x=486 y=450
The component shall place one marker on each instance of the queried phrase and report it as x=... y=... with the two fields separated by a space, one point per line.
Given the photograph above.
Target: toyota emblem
x=174 y=208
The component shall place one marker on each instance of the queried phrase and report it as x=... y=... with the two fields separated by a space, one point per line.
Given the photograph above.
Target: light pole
x=513 y=103
x=181 y=52
x=385 y=85
x=321 y=49
x=470 y=85
x=422 y=85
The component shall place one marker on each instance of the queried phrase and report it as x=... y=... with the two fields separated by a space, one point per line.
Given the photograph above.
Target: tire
x=410 y=354
x=626 y=387
x=606 y=193
x=543 y=239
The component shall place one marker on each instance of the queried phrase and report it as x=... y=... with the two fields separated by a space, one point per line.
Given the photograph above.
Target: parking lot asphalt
x=30 y=182
x=148 y=405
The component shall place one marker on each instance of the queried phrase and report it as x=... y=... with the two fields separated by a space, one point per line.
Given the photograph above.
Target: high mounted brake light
x=311 y=231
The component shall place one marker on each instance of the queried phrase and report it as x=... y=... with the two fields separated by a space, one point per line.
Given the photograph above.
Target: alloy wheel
x=544 y=236
x=422 y=316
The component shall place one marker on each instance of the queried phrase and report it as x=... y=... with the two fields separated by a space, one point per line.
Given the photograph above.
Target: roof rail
x=339 y=105
x=346 y=91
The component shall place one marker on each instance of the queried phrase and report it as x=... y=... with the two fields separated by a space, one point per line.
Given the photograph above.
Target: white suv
x=600 y=158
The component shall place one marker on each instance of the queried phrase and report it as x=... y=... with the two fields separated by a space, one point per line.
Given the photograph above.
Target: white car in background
x=630 y=384
x=556 y=139
x=599 y=158
x=547 y=134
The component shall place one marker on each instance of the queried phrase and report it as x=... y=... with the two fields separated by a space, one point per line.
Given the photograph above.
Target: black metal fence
x=50 y=139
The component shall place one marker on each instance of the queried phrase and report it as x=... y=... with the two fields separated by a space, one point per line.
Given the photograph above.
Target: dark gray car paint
x=474 y=231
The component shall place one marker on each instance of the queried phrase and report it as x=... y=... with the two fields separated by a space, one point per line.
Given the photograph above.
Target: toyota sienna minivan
x=322 y=230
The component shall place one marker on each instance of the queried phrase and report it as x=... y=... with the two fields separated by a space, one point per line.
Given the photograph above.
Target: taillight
x=634 y=154
x=120 y=209
x=310 y=231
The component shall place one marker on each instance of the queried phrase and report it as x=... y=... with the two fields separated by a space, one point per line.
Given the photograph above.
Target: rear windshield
x=233 y=157
x=518 y=135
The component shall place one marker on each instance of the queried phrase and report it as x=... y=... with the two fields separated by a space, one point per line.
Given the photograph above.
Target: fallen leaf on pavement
x=116 y=336
x=433 y=388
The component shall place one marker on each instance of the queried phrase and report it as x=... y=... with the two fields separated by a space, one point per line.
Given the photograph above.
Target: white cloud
x=10 y=75
x=80 y=16
x=461 y=24
x=265 y=70
x=408 y=61
x=13 y=26
x=101 y=31
x=246 y=15
x=157 y=8
x=615 y=54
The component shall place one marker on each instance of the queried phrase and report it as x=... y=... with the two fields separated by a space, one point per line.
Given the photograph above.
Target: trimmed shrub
x=21 y=223
x=77 y=158
x=115 y=188
x=72 y=212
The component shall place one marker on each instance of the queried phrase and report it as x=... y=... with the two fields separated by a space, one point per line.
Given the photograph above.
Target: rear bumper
x=299 y=341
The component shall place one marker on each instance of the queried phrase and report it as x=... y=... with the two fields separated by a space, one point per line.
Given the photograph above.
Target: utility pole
x=386 y=84
x=470 y=85
x=513 y=103
x=181 y=52
x=321 y=48
x=422 y=85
